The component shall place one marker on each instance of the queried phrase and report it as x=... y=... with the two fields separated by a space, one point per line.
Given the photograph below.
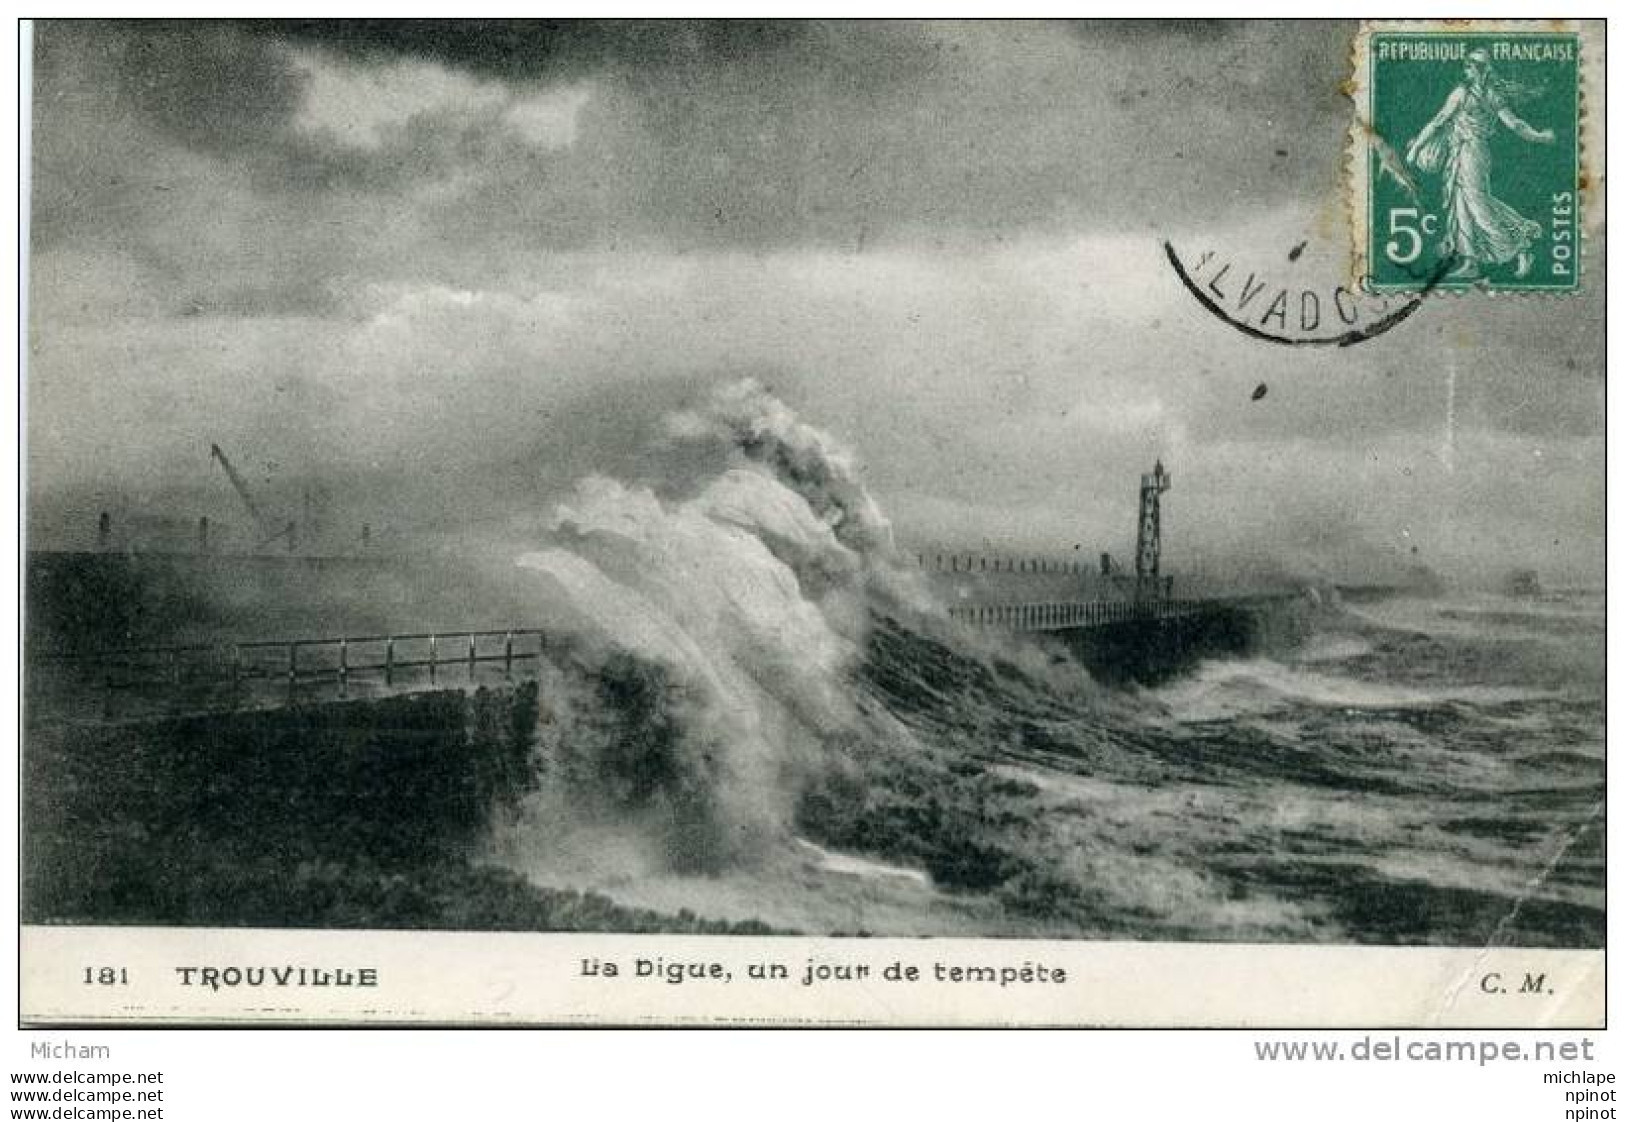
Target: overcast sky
x=449 y=270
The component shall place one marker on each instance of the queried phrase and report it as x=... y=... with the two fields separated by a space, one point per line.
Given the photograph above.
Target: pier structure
x=1094 y=593
x=1122 y=627
x=134 y=683
x=1068 y=615
x=1148 y=546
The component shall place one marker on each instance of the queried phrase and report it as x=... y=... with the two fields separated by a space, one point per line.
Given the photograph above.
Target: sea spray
x=744 y=417
x=726 y=626
x=753 y=668
x=721 y=696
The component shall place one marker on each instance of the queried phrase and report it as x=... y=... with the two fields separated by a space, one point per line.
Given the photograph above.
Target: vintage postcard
x=801 y=522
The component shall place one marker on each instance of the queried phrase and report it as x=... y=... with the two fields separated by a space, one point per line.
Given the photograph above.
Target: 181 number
x=106 y=976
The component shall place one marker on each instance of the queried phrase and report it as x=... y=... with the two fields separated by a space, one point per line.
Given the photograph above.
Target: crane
x=261 y=519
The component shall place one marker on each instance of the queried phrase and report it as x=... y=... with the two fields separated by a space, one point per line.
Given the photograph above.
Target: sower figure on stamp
x=1479 y=229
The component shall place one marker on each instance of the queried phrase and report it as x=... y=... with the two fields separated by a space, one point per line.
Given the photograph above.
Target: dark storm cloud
x=470 y=250
x=781 y=133
x=887 y=50
x=548 y=49
x=206 y=86
x=1158 y=29
x=216 y=90
x=998 y=128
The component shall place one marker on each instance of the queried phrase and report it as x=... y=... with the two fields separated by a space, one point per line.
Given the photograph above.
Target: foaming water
x=1332 y=648
x=1229 y=689
x=1554 y=620
x=764 y=717
x=862 y=867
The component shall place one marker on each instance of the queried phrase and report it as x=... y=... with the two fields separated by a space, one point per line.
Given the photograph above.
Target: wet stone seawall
x=1148 y=651
x=175 y=819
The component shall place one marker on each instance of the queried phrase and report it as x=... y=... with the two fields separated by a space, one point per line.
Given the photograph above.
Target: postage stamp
x=1466 y=166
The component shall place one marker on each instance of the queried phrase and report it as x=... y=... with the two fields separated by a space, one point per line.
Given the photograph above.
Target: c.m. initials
x=1532 y=983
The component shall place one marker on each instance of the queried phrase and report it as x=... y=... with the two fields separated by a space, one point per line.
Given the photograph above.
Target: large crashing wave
x=726 y=624
x=754 y=668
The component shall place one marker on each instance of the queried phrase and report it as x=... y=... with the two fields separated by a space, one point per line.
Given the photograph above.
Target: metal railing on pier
x=1073 y=615
x=1000 y=564
x=134 y=681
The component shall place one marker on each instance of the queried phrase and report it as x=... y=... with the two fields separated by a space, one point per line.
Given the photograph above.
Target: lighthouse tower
x=1148 y=552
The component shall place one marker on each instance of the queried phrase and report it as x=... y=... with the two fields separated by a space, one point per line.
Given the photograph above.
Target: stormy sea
x=765 y=714
x=752 y=709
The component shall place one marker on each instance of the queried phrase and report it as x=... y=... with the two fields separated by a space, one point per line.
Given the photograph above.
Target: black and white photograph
x=934 y=485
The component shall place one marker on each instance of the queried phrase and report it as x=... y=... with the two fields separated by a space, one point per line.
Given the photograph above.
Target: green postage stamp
x=1466 y=159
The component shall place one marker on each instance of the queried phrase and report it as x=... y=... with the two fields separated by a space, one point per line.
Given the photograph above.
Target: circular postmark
x=1292 y=314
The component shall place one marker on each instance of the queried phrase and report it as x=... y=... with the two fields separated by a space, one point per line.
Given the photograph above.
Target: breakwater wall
x=1147 y=641
x=215 y=818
